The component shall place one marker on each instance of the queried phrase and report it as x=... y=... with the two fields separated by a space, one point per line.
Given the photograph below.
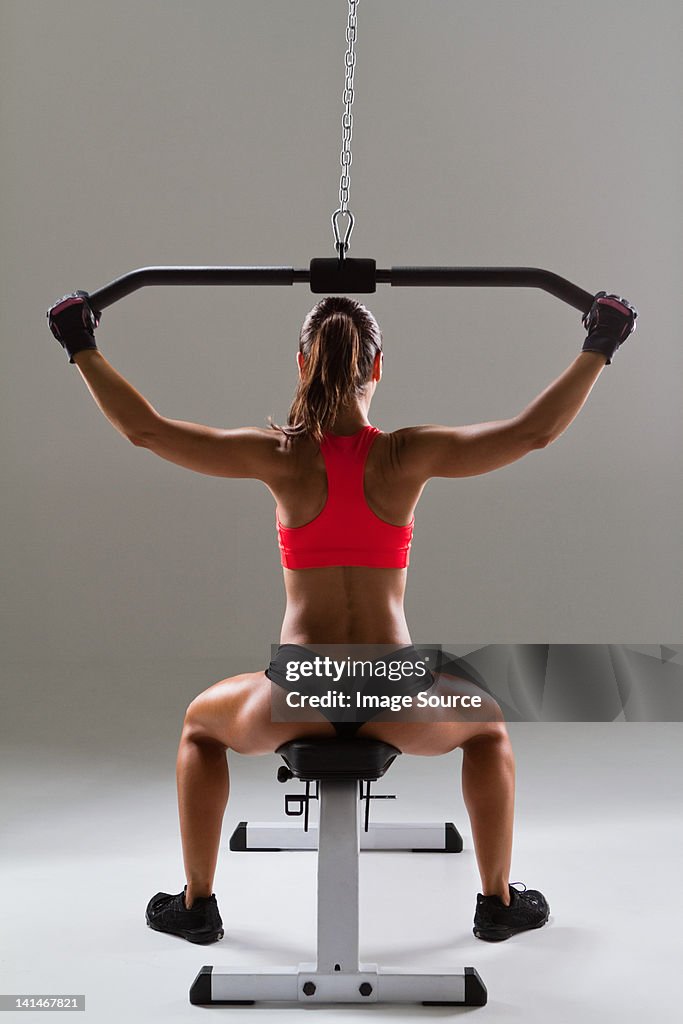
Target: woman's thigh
x=237 y=712
x=428 y=739
x=438 y=731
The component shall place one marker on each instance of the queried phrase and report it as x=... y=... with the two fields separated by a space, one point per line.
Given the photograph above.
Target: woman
x=345 y=496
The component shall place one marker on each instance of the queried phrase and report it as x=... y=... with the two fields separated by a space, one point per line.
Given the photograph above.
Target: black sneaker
x=202 y=923
x=493 y=921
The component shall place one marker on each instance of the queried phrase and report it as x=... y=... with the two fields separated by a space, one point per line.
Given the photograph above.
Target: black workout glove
x=609 y=322
x=72 y=320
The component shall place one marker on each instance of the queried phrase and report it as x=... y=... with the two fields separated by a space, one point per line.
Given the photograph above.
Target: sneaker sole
x=197 y=937
x=498 y=933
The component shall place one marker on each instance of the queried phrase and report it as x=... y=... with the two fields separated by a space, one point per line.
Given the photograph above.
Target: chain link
x=342 y=245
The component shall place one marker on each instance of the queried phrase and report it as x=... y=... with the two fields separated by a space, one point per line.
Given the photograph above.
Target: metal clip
x=342 y=245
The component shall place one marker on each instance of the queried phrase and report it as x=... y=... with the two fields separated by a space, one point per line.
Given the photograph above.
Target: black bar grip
x=146 y=276
x=489 y=277
x=355 y=275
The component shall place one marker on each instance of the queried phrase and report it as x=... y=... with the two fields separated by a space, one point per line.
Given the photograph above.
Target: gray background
x=526 y=133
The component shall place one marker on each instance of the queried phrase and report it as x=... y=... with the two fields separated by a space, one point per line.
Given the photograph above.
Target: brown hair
x=339 y=340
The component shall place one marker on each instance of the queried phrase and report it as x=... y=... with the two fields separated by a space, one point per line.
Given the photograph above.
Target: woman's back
x=345 y=603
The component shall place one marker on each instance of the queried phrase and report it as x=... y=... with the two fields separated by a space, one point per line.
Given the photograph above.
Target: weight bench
x=341 y=770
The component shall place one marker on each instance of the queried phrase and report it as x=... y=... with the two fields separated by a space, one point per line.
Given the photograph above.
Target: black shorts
x=347 y=722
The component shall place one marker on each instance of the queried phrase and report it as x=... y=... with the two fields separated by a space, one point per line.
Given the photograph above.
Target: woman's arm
x=125 y=408
x=245 y=452
x=553 y=410
x=73 y=321
x=429 y=451
x=434 y=451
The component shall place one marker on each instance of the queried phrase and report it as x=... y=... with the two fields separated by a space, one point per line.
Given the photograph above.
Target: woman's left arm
x=244 y=452
x=125 y=408
x=248 y=452
x=72 y=321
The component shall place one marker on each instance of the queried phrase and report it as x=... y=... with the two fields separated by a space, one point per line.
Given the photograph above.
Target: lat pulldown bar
x=329 y=276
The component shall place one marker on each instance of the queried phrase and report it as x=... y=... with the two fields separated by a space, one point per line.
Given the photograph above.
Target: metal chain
x=342 y=245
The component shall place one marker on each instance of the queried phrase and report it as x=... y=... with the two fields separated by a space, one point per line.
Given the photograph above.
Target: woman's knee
x=199 y=722
x=478 y=707
x=490 y=735
x=231 y=712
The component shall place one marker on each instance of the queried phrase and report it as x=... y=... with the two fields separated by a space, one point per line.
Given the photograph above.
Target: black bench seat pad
x=312 y=760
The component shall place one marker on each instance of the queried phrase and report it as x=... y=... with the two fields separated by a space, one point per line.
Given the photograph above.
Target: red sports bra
x=346 y=531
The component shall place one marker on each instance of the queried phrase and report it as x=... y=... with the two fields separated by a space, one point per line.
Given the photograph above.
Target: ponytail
x=339 y=341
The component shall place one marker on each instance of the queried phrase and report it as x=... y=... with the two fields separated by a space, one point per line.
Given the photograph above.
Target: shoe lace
x=177 y=902
x=166 y=902
x=525 y=893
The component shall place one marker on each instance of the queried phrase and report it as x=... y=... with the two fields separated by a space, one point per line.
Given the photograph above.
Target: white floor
x=90 y=834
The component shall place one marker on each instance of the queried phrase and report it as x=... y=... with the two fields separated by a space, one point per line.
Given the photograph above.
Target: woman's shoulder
x=410 y=449
x=402 y=440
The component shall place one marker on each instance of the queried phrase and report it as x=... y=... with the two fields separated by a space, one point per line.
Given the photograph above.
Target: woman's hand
x=72 y=320
x=609 y=322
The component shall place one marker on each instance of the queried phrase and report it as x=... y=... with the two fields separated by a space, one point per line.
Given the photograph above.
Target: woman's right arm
x=434 y=451
x=429 y=451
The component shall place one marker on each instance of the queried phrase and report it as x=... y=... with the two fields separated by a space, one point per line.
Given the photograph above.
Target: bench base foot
x=215 y=986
